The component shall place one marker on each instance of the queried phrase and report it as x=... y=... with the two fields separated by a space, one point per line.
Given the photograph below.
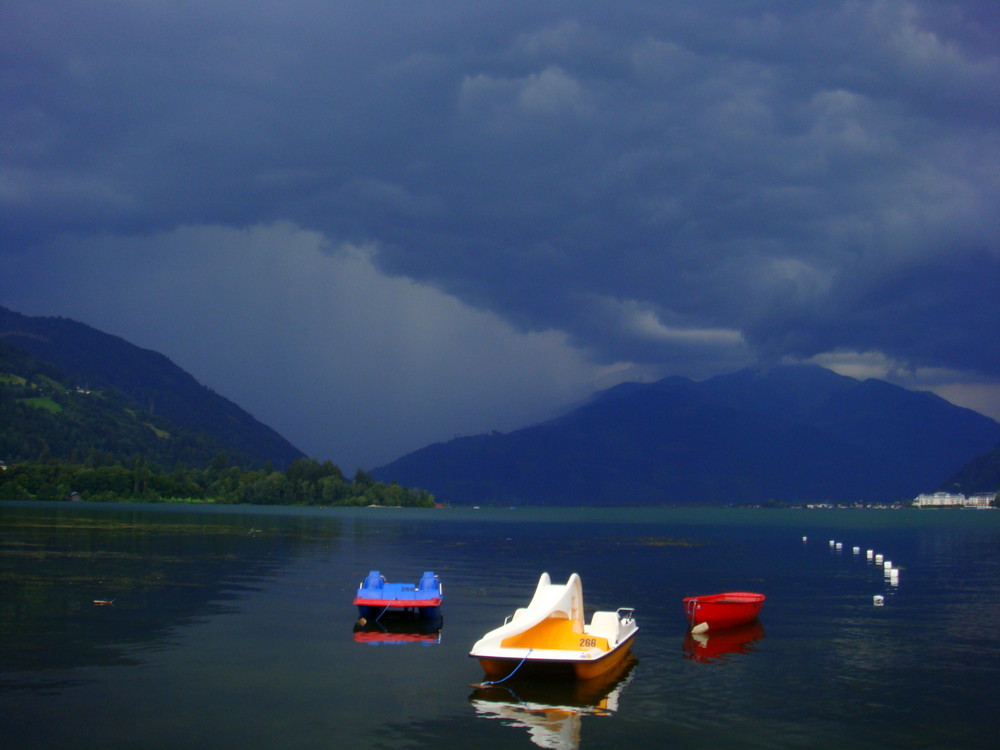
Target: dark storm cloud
x=667 y=182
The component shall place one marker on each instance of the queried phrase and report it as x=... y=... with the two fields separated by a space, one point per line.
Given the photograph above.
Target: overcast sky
x=376 y=225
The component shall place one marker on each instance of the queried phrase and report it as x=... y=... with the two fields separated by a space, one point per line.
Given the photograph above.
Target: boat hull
x=719 y=611
x=372 y=608
x=571 y=666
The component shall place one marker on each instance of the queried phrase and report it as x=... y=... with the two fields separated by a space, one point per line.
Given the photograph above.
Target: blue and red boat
x=376 y=596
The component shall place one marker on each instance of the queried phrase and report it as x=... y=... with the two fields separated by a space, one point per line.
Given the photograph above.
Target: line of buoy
x=891 y=573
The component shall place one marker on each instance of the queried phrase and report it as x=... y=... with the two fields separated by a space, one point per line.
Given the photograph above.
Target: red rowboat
x=718 y=611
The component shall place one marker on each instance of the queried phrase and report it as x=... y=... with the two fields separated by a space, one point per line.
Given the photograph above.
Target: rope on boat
x=490 y=683
x=381 y=613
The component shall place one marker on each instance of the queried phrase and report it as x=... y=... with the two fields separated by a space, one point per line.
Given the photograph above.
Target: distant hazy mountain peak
x=789 y=433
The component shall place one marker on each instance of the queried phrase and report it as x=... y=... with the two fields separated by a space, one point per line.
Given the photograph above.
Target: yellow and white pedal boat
x=550 y=637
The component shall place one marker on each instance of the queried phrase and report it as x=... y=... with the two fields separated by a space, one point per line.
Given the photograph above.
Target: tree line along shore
x=103 y=478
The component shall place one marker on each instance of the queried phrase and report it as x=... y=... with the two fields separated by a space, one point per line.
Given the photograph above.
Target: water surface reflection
x=717 y=645
x=80 y=586
x=399 y=628
x=233 y=628
x=552 y=711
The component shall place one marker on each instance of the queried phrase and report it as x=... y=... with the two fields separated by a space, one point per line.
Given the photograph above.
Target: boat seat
x=373 y=581
x=605 y=624
x=428 y=581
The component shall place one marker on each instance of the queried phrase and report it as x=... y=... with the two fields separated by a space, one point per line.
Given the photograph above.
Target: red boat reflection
x=716 y=644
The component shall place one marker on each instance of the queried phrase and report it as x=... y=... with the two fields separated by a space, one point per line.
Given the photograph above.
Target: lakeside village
x=979 y=501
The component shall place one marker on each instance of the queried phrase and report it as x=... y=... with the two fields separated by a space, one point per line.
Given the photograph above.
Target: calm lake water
x=232 y=628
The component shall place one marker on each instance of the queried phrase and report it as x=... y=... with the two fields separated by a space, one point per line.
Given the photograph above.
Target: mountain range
x=789 y=434
x=141 y=402
x=982 y=474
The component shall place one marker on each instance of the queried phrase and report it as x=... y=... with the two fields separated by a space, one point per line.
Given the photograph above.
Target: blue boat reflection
x=395 y=627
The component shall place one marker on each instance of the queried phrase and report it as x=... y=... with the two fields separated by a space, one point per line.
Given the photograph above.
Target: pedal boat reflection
x=552 y=711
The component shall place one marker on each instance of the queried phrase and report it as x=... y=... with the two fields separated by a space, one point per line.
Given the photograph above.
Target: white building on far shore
x=954 y=500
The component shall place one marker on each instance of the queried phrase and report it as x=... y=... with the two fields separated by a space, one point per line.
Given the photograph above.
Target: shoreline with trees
x=102 y=478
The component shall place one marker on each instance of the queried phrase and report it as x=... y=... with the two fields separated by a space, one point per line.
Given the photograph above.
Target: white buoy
x=856 y=550
x=878 y=600
x=805 y=539
x=832 y=542
x=894 y=575
x=869 y=554
x=840 y=545
x=878 y=558
x=887 y=565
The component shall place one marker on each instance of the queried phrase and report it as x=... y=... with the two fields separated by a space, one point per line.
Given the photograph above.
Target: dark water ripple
x=232 y=628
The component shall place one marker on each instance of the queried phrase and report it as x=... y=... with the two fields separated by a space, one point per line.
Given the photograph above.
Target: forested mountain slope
x=790 y=434
x=68 y=388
